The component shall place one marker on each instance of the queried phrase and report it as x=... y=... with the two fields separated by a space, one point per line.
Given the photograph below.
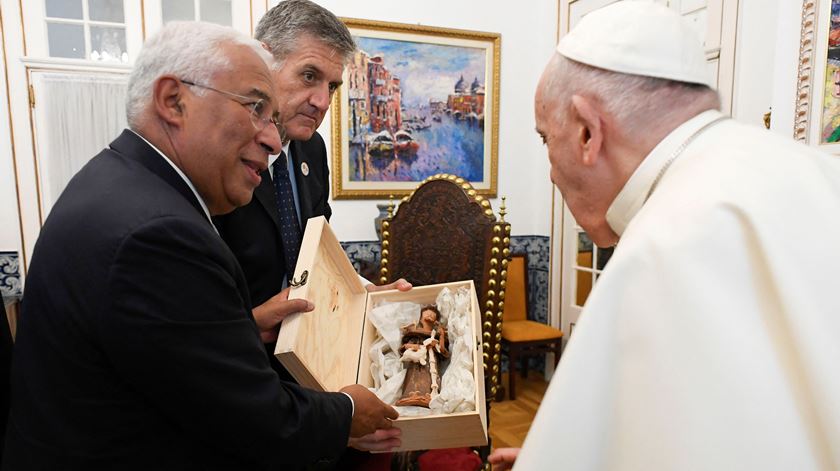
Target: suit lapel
x=299 y=157
x=132 y=146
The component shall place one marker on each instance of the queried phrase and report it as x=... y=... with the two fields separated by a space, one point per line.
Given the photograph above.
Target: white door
x=44 y=36
x=76 y=115
x=87 y=43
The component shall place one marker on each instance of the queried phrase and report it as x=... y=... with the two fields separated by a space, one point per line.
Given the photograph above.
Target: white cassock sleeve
x=683 y=359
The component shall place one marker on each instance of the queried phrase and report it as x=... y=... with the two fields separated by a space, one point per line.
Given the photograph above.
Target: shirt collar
x=183 y=177
x=273 y=158
x=632 y=196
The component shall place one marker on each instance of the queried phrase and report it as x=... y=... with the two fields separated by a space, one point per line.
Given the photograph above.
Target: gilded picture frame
x=415 y=101
x=817 y=109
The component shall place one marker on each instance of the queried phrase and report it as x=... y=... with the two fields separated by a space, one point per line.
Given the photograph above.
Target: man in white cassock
x=712 y=339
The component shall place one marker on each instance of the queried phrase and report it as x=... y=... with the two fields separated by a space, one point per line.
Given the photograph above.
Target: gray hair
x=282 y=26
x=189 y=50
x=636 y=102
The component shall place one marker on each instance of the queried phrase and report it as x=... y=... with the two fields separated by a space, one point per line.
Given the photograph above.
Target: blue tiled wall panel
x=363 y=251
x=10 y=285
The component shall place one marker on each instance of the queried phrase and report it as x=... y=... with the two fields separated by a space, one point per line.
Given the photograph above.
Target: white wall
x=785 y=71
x=528 y=32
x=767 y=62
x=9 y=226
x=768 y=41
x=755 y=59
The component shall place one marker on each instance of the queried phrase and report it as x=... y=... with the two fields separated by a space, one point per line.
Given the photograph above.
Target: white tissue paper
x=457 y=392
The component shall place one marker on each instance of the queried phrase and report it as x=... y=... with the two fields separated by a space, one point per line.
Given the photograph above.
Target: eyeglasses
x=261 y=114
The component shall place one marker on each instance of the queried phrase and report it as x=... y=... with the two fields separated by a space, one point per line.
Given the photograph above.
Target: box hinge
x=302 y=281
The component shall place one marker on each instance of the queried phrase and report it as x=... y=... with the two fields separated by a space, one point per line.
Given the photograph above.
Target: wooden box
x=326 y=349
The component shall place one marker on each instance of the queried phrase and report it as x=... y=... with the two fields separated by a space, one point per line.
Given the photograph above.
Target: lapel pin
x=304 y=169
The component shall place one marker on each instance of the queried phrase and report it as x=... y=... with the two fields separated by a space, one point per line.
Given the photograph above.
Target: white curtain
x=76 y=116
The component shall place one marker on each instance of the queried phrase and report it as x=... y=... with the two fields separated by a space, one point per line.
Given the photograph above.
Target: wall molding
x=804 y=81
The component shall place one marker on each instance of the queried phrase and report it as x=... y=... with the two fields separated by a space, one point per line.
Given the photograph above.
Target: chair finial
x=503 y=209
x=390 y=206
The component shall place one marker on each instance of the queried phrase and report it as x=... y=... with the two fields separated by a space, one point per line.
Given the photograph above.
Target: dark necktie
x=289 y=225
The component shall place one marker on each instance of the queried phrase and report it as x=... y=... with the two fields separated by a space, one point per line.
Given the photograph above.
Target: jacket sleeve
x=181 y=333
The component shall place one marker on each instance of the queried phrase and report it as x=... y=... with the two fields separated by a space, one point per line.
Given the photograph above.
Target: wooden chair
x=444 y=231
x=521 y=337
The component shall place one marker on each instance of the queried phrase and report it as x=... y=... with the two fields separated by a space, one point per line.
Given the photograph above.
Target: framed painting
x=817 y=113
x=416 y=101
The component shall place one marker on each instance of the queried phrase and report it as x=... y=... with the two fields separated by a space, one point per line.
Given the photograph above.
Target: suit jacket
x=6 y=344
x=253 y=231
x=136 y=347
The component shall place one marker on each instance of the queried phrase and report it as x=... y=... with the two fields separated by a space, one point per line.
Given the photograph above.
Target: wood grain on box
x=321 y=348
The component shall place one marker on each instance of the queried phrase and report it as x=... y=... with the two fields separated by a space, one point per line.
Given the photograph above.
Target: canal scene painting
x=831 y=96
x=415 y=105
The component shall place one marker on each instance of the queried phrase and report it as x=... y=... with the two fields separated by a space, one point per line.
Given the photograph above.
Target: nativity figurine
x=424 y=346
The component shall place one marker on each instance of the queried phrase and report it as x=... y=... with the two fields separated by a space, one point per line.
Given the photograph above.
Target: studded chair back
x=444 y=231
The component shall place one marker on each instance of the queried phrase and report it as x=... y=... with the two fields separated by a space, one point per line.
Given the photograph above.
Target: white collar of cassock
x=634 y=193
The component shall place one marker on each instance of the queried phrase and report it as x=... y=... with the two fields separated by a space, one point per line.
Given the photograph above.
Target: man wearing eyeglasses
x=312 y=47
x=259 y=105
x=136 y=347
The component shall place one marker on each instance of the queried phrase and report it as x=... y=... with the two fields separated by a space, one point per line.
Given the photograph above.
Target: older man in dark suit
x=137 y=348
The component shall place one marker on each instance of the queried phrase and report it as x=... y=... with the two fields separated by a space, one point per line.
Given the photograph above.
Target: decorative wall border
x=804 y=81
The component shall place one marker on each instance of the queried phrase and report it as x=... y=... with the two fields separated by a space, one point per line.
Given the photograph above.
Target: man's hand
x=370 y=413
x=502 y=459
x=269 y=314
x=400 y=284
x=380 y=440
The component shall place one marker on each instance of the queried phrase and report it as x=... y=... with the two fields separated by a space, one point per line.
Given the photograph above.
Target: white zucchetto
x=638 y=38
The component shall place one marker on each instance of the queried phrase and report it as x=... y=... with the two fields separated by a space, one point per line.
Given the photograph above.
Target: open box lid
x=321 y=348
